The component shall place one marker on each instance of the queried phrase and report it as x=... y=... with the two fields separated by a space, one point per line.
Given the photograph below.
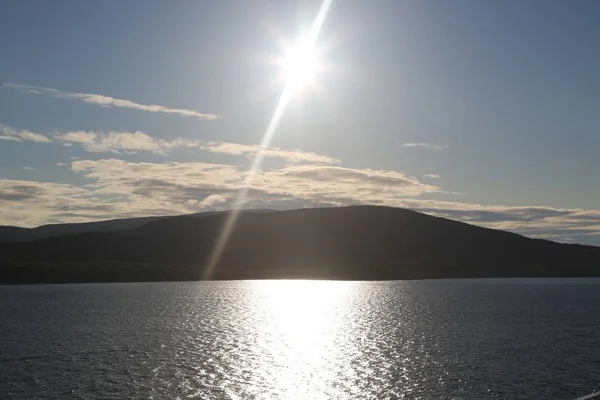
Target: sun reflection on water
x=300 y=329
x=303 y=339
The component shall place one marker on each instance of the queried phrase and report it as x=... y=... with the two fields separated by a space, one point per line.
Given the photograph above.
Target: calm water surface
x=447 y=339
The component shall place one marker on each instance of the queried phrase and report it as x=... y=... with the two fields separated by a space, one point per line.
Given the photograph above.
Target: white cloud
x=19 y=135
x=191 y=187
x=131 y=142
x=209 y=201
x=29 y=203
x=339 y=185
x=29 y=168
x=293 y=156
x=115 y=142
x=529 y=220
x=106 y=101
x=429 y=146
x=174 y=183
x=432 y=176
x=81 y=137
x=316 y=183
x=120 y=189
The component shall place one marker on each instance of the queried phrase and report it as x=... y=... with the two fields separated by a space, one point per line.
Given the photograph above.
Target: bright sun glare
x=300 y=65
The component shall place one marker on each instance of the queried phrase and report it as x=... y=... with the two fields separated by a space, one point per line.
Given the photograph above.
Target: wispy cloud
x=292 y=156
x=432 y=176
x=132 y=142
x=29 y=168
x=115 y=142
x=106 y=101
x=429 y=146
x=19 y=135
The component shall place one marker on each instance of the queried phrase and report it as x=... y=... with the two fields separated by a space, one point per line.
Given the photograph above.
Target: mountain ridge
x=354 y=242
x=10 y=233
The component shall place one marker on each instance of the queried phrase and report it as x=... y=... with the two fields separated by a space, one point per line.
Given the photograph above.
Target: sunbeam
x=291 y=85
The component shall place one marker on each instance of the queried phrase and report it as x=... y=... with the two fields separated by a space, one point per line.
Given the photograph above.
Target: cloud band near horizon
x=122 y=189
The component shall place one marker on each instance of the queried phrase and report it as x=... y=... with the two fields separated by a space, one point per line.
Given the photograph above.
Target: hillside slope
x=359 y=242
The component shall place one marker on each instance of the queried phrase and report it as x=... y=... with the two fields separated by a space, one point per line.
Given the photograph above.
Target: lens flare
x=302 y=61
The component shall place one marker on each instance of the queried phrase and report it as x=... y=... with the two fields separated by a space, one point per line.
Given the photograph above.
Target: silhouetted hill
x=361 y=242
x=17 y=234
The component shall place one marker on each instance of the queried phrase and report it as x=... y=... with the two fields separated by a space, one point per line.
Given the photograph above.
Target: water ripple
x=499 y=339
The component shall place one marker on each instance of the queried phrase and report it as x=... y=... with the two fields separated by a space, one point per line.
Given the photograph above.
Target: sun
x=300 y=65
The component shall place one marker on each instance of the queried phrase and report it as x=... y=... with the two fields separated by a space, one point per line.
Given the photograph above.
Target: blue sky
x=485 y=112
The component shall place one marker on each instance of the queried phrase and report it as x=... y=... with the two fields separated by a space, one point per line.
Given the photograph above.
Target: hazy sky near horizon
x=481 y=111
